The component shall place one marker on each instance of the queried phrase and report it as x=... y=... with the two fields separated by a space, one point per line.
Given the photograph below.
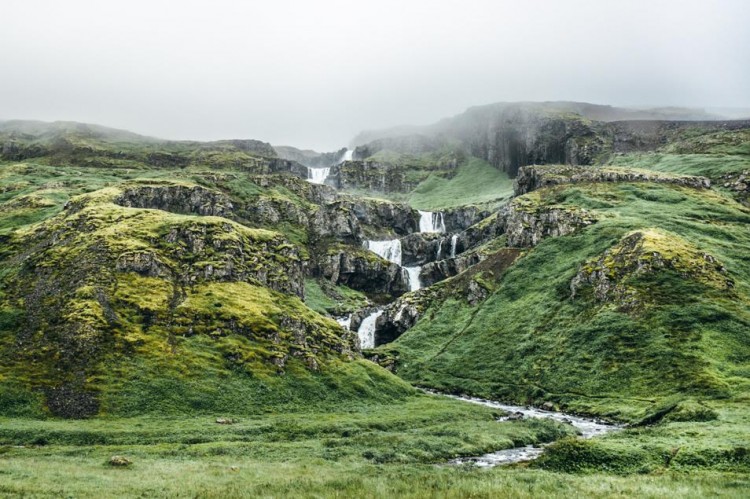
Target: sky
x=314 y=73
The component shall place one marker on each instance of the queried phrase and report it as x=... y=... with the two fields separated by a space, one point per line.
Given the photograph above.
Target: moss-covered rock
x=102 y=282
x=613 y=276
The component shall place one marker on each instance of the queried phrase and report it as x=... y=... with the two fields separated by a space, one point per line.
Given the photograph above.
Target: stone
x=119 y=461
x=226 y=421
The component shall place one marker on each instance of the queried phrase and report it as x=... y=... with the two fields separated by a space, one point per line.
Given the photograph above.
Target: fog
x=314 y=73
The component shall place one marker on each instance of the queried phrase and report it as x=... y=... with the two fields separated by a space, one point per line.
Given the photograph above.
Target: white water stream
x=317 y=175
x=366 y=331
x=586 y=426
x=430 y=221
x=413 y=275
x=345 y=322
x=390 y=249
x=454 y=241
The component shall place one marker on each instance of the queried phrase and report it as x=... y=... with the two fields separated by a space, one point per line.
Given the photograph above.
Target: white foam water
x=390 y=250
x=345 y=322
x=454 y=241
x=348 y=155
x=366 y=331
x=439 y=250
x=586 y=426
x=317 y=175
x=413 y=275
x=431 y=221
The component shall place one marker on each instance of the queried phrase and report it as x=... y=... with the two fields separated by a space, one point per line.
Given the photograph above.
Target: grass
x=165 y=352
x=475 y=180
x=531 y=341
x=708 y=165
x=336 y=300
x=372 y=451
x=219 y=476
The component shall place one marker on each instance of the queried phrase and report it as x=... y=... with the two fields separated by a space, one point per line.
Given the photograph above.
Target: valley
x=241 y=319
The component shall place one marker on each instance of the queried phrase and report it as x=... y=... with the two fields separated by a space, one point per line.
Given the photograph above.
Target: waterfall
x=431 y=222
x=345 y=322
x=413 y=274
x=390 y=250
x=348 y=155
x=454 y=241
x=366 y=331
x=317 y=175
x=439 y=250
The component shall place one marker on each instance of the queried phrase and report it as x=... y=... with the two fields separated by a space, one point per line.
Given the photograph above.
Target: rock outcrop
x=526 y=223
x=533 y=177
x=738 y=183
x=443 y=269
x=370 y=175
x=176 y=198
x=361 y=270
x=610 y=277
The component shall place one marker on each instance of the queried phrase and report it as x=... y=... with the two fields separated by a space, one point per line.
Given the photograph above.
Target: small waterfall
x=345 y=322
x=366 y=331
x=348 y=155
x=431 y=221
x=390 y=250
x=439 y=250
x=317 y=175
x=413 y=274
x=454 y=241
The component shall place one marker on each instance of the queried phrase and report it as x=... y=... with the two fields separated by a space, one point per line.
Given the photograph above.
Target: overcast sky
x=314 y=73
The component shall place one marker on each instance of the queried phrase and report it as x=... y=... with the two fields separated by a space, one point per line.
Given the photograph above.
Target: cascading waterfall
x=431 y=221
x=366 y=331
x=348 y=155
x=413 y=274
x=454 y=241
x=439 y=250
x=390 y=250
x=345 y=322
x=317 y=175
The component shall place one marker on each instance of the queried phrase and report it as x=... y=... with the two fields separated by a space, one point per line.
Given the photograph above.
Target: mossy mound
x=101 y=294
x=616 y=275
x=679 y=249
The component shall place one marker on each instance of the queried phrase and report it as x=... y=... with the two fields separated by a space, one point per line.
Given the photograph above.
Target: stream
x=588 y=427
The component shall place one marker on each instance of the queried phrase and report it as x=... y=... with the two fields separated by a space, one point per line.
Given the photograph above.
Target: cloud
x=313 y=74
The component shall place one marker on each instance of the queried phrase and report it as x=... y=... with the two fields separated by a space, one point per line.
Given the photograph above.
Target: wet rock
x=396 y=319
x=362 y=270
x=449 y=267
x=420 y=248
x=459 y=219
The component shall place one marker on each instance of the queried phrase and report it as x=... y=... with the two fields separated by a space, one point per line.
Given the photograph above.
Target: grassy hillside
x=152 y=287
x=533 y=340
x=474 y=180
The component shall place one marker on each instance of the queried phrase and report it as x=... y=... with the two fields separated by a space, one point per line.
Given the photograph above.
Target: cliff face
x=512 y=135
x=372 y=176
x=310 y=158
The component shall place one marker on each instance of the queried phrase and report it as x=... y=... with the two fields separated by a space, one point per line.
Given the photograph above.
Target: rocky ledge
x=533 y=177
